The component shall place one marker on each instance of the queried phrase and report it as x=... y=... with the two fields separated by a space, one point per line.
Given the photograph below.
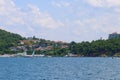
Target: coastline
x=14 y=55
x=7 y=55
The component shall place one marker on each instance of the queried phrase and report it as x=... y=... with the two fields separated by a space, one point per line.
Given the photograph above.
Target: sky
x=61 y=20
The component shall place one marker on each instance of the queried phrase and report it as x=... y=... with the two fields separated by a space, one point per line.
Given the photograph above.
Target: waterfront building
x=114 y=35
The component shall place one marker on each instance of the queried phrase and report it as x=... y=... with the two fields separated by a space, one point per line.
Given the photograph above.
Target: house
x=35 y=41
x=21 y=42
x=13 y=48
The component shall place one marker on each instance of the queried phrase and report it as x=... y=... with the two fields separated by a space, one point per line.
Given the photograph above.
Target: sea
x=60 y=68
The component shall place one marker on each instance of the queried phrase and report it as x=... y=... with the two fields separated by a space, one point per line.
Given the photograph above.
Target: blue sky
x=61 y=20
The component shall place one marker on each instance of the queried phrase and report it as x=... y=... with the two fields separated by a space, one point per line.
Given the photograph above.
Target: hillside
x=7 y=40
x=11 y=43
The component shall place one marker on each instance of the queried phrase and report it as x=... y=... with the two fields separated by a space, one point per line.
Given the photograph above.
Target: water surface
x=59 y=68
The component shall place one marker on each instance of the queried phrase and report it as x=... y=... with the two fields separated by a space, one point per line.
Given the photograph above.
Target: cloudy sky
x=66 y=20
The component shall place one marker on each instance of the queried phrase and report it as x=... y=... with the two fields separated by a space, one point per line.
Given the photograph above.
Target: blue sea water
x=58 y=68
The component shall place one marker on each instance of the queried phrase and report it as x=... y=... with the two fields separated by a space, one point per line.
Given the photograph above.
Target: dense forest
x=109 y=47
x=8 y=40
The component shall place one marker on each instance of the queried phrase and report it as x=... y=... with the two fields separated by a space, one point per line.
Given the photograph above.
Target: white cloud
x=96 y=3
x=43 y=19
x=6 y=7
x=11 y=15
x=88 y=21
x=95 y=25
x=117 y=10
x=104 y=3
x=61 y=4
x=56 y=4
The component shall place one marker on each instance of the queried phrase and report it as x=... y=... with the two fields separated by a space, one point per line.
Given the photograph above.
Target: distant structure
x=101 y=38
x=114 y=35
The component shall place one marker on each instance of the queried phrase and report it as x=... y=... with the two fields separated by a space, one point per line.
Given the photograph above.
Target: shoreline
x=7 y=55
x=13 y=55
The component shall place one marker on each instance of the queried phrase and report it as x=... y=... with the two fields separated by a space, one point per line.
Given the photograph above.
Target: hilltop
x=8 y=40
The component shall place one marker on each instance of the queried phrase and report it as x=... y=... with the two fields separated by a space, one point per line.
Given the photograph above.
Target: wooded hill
x=109 y=47
x=8 y=40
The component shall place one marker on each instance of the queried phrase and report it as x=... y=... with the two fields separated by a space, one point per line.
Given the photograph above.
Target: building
x=114 y=35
